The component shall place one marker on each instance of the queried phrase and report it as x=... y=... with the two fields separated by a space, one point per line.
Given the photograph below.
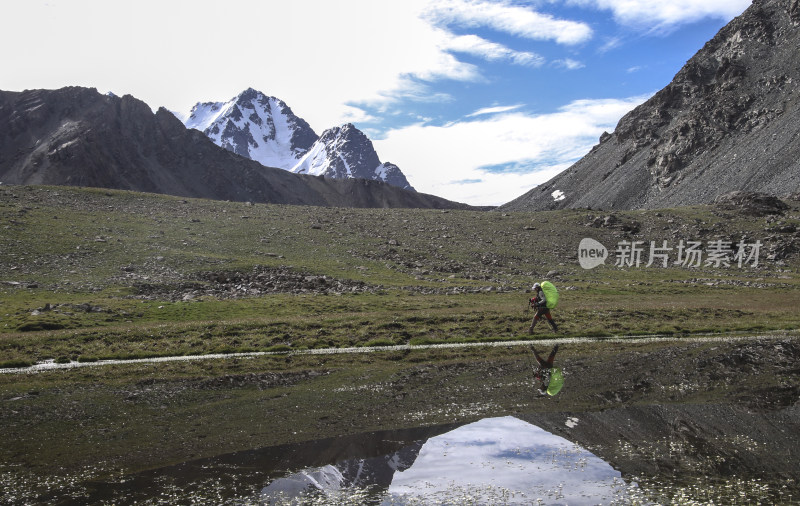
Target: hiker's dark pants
x=542 y=311
x=546 y=364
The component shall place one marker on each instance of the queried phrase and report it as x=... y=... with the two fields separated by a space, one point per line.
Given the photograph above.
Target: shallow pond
x=645 y=455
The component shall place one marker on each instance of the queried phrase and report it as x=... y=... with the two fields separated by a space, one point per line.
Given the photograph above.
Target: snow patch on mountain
x=314 y=162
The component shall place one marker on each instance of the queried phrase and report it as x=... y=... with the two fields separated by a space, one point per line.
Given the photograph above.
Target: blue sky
x=475 y=100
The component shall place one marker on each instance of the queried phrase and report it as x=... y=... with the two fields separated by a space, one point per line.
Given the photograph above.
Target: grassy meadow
x=89 y=274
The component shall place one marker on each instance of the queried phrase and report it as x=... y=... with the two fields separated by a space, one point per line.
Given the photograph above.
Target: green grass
x=78 y=268
x=375 y=320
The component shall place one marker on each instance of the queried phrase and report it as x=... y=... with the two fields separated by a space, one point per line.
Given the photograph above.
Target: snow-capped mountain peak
x=256 y=126
x=345 y=152
x=265 y=129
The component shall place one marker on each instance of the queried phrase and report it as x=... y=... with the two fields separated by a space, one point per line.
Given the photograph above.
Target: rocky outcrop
x=728 y=121
x=758 y=204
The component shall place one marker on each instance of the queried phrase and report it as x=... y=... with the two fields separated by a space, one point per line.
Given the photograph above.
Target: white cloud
x=506 y=17
x=317 y=56
x=569 y=64
x=354 y=115
x=322 y=58
x=494 y=110
x=472 y=44
x=609 y=44
x=455 y=161
x=659 y=15
x=325 y=59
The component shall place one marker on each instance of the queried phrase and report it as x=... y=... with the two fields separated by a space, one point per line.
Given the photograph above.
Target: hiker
x=551 y=378
x=542 y=305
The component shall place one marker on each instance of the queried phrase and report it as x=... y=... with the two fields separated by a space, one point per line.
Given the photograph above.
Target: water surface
x=643 y=455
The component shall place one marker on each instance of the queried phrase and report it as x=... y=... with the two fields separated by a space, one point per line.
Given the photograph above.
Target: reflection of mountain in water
x=360 y=461
x=373 y=474
x=496 y=460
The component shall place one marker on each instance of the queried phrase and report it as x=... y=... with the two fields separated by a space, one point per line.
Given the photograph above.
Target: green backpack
x=556 y=382
x=550 y=293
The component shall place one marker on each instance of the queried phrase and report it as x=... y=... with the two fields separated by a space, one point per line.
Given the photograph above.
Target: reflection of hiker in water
x=540 y=303
x=551 y=378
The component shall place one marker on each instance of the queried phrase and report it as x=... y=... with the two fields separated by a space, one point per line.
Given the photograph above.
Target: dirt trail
x=705 y=338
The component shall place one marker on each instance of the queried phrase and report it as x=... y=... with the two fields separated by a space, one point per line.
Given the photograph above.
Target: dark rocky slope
x=78 y=137
x=728 y=121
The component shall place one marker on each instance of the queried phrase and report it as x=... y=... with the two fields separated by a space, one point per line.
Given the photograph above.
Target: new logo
x=591 y=253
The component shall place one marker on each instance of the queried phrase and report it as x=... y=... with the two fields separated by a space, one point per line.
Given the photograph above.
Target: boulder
x=758 y=204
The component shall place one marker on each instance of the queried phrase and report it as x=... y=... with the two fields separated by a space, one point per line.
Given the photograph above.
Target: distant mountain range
x=77 y=136
x=728 y=121
x=266 y=130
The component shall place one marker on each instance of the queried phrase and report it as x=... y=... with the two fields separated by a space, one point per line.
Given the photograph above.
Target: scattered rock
x=782 y=247
x=611 y=221
x=260 y=281
x=758 y=204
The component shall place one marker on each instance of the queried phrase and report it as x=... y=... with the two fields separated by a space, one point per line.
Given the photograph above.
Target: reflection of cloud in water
x=509 y=457
x=492 y=461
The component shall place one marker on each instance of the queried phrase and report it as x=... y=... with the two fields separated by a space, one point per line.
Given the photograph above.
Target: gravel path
x=51 y=365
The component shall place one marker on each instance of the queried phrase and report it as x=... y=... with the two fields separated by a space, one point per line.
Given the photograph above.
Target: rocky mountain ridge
x=265 y=129
x=78 y=137
x=344 y=152
x=728 y=121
